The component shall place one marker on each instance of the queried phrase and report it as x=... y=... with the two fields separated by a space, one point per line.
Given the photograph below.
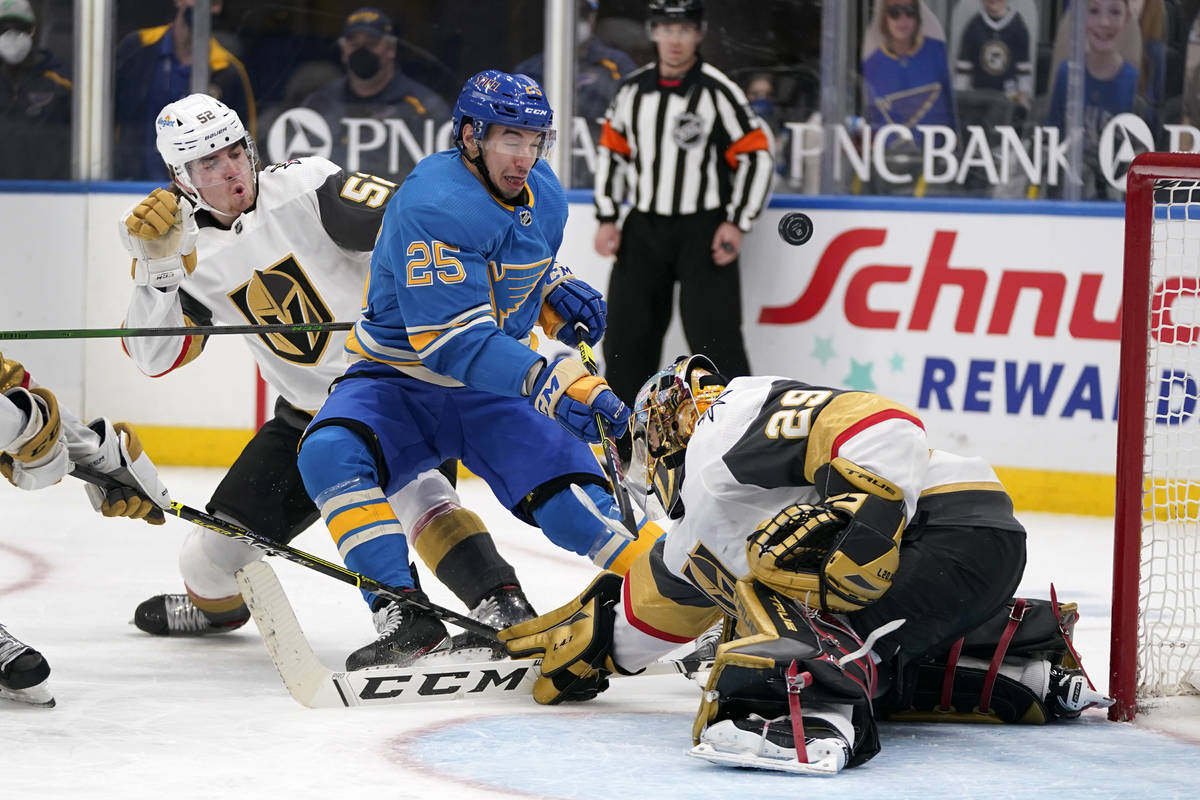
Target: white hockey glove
x=37 y=458
x=160 y=234
x=120 y=456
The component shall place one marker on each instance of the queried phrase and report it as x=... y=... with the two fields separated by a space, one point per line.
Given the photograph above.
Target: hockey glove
x=568 y=301
x=160 y=234
x=824 y=555
x=120 y=456
x=37 y=457
x=574 y=643
x=567 y=392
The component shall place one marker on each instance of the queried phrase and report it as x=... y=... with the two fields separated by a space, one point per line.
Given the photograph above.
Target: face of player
x=676 y=43
x=995 y=8
x=1105 y=19
x=225 y=180
x=901 y=21
x=508 y=155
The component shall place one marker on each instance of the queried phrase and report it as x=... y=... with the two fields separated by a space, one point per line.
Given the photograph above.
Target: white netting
x=1169 y=586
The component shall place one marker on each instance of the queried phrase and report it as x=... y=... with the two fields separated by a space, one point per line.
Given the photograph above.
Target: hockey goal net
x=1155 y=649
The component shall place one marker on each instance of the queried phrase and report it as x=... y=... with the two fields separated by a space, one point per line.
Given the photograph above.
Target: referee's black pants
x=656 y=252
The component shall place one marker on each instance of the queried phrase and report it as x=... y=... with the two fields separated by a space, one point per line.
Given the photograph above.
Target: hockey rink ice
x=144 y=717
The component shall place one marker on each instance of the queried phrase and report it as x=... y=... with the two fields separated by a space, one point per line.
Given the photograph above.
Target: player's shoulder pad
x=297 y=175
x=440 y=199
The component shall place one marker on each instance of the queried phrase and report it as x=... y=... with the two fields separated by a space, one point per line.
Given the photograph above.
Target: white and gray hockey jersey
x=301 y=254
x=768 y=442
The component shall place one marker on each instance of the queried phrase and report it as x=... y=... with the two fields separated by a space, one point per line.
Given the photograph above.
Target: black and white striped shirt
x=682 y=147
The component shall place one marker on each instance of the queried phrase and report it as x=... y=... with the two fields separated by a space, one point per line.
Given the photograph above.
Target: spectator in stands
x=994 y=53
x=1152 y=77
x=598 y=70
x=375 y=98
x=907 y=78
x=1110 y=85
x=154 y=68
x=35 y=100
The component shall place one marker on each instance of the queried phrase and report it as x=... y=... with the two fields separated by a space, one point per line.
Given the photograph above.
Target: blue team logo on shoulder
x=512 y=284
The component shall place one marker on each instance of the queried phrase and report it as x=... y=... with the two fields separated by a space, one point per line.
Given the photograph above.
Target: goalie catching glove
x=120 y=456
x=574 y=643
x=567 y=392
x=828 y=554
x=160 y=234
x=568 y=302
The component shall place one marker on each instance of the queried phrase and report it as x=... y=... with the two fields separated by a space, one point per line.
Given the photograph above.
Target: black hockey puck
x=795 y=228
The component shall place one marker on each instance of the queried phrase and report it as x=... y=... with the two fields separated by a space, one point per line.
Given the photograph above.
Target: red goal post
x=1155 y=638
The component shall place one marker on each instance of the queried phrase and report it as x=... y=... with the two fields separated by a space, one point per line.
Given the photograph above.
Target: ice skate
x=757 y=743
x=1070 y=694
x=500 y=608
x=406 y=634
x=23 y=672
x=177 y=615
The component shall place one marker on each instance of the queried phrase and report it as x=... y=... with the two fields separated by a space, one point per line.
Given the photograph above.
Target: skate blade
x=823 y=768
x=461 y=655
x=38 y=696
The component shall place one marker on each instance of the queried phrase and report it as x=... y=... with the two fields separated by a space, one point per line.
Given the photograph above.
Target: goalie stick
x=226 y=528
x=612 y=462
x=314 y=685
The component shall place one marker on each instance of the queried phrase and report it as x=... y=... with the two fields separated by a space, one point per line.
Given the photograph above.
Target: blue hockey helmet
x=493 y=97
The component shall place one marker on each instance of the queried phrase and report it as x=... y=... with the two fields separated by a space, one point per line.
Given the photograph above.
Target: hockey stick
x=198 y=330
x=612 y=462
x=300 y=557
x=314 y=685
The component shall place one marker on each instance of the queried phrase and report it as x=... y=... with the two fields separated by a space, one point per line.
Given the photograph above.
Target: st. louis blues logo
x=512 y=284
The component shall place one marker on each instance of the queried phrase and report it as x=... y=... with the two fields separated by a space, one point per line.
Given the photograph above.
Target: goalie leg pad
x=750 y=673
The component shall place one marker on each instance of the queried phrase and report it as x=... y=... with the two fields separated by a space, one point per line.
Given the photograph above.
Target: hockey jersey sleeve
x=746 y=148
x=443 y=290
x=613 y=154
x=151 y=308
x=351 y=207
x=834 y=441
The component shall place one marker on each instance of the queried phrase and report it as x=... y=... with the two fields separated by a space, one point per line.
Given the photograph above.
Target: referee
x=697 y=163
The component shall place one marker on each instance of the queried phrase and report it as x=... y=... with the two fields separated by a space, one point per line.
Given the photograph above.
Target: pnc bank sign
x=1001 y=154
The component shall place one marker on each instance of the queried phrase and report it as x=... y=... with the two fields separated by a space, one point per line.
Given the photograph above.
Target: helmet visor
x=233 y=163
x=519 y=142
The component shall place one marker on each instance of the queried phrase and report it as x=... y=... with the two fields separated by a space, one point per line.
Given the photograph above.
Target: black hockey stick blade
x=286 y=551
x=198 y=330
x=612 y=462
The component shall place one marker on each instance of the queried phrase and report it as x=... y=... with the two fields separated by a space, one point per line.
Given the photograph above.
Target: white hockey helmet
x=194 y=127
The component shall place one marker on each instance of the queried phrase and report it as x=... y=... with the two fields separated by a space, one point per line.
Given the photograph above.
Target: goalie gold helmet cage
x=664 y=417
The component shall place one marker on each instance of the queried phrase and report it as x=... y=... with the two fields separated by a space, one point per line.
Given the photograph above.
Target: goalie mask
x=196 y=127
x=665 y=414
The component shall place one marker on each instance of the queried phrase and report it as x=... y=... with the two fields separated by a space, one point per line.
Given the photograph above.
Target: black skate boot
x=406 y=633
x=177 y=615
x=1070 y=694
x=23 y=672
x=500 y=608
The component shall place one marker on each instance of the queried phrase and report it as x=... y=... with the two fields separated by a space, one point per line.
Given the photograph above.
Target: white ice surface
x=143 y=717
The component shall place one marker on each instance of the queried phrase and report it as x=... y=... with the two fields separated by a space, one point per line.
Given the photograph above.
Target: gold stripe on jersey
x=969 y=486
x=649 y=604
x=12 y=374
x=840 y=416
x=195 y=345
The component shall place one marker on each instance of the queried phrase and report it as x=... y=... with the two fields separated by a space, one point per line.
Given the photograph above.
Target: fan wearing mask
x=35 y=100
x=362 y=107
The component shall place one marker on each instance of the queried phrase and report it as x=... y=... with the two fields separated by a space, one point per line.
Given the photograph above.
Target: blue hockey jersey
x=456 y=279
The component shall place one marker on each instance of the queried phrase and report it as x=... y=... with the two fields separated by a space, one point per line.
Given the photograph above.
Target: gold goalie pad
x=839 y=555
x=574 y=643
